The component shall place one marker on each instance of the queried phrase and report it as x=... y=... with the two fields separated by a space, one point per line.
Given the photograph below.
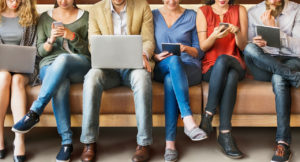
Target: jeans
x=265 y=67
x=98 y=80
x=223 y=79
x=177 y=76
x=56 y=80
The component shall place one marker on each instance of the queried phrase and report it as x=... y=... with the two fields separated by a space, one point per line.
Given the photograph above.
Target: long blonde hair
x=26 y=11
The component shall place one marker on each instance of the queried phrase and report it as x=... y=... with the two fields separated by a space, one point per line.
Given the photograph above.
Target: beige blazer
x=139 y=21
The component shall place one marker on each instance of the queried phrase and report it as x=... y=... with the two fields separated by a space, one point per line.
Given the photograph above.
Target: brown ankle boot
x=89 y=152
x=142 y=154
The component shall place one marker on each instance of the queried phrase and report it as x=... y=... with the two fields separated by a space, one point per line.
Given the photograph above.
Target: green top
x=79 y=45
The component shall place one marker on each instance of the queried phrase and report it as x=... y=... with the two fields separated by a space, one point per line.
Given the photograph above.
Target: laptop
x=116 y=51
x=19 y=59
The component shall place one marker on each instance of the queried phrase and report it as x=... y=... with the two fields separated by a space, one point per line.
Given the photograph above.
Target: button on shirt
x=289 y=24
x=119 y=20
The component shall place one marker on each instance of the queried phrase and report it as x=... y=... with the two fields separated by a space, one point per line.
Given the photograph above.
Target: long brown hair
x=26 y=12
x=211 y=2
x=74 y=4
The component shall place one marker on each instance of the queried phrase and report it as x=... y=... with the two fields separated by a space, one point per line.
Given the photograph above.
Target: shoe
x=205 y=124
x=20 y=158
x=64 y=154
x=196 y=134
x=26 y=123
x=142 y=154
x=2 y=153
x=171 y=155
x=89 y=152
x=228 y=146
x=282 y=153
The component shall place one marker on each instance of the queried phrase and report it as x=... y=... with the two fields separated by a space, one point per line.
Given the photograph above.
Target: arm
x=207 y=43
x=292 y=42
x=195 y=44
x=43 y=47
x=147 y=32
x=242 y=35
x=93 y=25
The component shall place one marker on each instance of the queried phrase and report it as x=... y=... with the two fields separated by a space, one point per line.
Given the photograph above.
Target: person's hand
x=161 y=56
x=183 y=48
x=219 y=32
x=56 y=32
x=259 y=41
x=146 y=63
x=267 y=19
x=68 y=34
x=233 y=29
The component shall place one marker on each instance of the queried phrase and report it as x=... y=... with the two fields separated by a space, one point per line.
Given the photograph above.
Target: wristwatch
x=49 y=42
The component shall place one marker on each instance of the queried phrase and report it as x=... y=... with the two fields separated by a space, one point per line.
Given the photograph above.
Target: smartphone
x=57 y=24
x=224 y=24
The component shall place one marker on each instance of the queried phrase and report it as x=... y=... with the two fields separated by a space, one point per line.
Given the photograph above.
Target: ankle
x=224 y=131
x=170 y=145
x=189 y=122
x=209 y=113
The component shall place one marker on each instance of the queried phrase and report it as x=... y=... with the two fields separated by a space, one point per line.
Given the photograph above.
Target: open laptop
x=117 y=51
x=19 y=59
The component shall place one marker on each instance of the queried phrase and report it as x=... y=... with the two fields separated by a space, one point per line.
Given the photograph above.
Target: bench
x=255 y=105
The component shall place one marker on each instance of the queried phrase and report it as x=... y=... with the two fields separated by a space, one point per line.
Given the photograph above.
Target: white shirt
x=119 y=20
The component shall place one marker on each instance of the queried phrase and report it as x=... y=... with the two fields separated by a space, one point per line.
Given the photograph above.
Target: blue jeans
x=223 y=79
x=56 y=80
x=98 y=80
x=278 y=70
x=177 y=76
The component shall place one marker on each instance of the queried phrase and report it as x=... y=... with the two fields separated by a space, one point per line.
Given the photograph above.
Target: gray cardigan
x=29 y=39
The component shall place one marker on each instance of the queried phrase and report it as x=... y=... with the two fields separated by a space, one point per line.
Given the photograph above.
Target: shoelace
x=280 y=150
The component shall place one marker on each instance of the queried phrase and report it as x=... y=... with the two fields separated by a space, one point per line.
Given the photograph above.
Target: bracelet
x=73 y=36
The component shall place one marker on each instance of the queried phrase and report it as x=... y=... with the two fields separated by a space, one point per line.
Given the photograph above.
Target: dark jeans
x=177 y=76
x=223 y=78
x=278 y=70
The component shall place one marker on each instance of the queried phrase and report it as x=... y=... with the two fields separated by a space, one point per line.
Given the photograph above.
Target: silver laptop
x=117 y=51
x=19 y=59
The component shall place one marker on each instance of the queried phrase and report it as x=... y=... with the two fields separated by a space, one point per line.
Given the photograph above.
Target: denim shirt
x=289 y=24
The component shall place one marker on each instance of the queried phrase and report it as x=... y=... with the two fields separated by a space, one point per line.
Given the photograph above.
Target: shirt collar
x=113 y=10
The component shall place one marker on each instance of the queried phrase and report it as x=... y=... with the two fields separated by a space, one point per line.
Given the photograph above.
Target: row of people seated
x=209 y=52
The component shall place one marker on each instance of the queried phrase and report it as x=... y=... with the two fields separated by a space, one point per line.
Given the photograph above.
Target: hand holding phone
x=226 y=25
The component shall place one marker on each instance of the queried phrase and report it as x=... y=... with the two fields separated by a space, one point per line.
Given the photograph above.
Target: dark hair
x=210 y=2
x=74 y=4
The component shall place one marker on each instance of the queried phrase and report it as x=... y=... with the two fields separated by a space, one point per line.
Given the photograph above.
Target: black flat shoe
x=2 y=153
x=228 y=146
x=20 y=158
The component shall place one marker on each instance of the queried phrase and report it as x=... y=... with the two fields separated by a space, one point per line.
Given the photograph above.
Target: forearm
x=241 y=41
x=192 y=51
x=208 y=43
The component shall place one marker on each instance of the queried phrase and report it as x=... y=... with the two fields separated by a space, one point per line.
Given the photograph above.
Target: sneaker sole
x=171 y=160
x=22 y=132
x=285 y=161
x=203 y=138
x=232 y=157
x=62 y=160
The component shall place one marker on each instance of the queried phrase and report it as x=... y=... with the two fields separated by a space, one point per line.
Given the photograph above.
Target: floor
x=118 y=145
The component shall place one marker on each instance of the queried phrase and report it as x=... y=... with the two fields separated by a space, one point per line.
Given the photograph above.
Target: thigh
x=292 y=62
x=79 y=66
x=132 y=76
x=161 y=70
x=107 y=78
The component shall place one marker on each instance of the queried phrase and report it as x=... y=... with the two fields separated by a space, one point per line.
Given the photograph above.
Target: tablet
x=269 y=34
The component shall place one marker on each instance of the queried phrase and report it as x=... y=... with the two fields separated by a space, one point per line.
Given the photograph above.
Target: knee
x=62 y=60
x=63 y=89
x=91 y=79
x=19 y=81
x=222 y=61
x=174 y=60
x=233 y=76
x=279 y=83
x=250 y=50
x=5 y=79
x=141 y=78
